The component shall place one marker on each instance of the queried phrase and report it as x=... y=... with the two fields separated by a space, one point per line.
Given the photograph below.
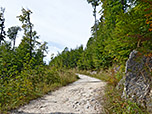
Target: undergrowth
x=31 y=84
x=113 y=103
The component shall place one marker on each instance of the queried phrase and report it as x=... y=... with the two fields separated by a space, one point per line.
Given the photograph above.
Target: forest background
x=124 y=25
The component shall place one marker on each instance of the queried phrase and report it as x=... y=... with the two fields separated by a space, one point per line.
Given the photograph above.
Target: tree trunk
x=30 y=25
x=14 y=44
x=95 y=21
x=123 y=5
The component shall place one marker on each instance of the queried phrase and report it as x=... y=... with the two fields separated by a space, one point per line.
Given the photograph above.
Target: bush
x=30 y=84
x=113 y=103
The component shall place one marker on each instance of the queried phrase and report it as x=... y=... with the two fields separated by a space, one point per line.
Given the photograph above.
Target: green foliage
x=93 y=2
x=23 y=74
x=124 y=25
x=30 y=84
x=12 y=33
x=67 y=59
x=30 y=37
x=113 y=103
x=116 y=105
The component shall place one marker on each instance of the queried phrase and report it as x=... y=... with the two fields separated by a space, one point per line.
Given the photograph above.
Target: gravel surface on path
x=80 y=97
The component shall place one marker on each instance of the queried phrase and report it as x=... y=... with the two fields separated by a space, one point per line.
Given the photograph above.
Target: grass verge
x=113 y=103
x=31 y=84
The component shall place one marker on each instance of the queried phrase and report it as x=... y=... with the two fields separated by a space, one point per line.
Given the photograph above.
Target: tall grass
x=113 y=103
x=31 y=84
x=107 y=75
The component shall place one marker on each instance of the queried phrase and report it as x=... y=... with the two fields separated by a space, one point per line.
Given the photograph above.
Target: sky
x=61 y=23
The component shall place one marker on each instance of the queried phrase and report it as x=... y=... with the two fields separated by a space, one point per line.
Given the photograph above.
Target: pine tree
x=94 y=4
x=30 y=36
x=12 y=33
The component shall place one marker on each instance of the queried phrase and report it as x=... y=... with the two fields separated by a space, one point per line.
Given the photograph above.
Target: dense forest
x=124 y=25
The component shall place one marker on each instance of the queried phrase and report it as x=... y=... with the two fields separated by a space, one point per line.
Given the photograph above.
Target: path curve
x=78 y=97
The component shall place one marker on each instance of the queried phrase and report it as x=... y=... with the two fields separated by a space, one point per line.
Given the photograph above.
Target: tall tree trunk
x=123 y=5
x=30 y=25
x=95 y=16
x=14 y=44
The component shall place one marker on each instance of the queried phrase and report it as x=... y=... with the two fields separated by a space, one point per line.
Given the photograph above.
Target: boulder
x=138 y=76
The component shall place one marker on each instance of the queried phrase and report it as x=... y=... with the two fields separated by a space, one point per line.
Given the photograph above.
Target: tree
x=40 y=53
x=94 y=4
x=12 y=33
x=124 y=26
x=30 y=35
x=30 y=51
x=2 y=20
x=68 y=58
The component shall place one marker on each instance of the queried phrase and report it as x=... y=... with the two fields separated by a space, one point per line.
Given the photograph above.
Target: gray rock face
x=137 y=86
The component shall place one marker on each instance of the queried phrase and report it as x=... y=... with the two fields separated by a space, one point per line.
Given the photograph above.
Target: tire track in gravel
x=78 y=97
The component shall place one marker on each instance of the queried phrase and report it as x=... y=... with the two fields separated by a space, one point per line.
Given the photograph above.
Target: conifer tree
x=94 y=4
x=30 y=36
x=12 y=33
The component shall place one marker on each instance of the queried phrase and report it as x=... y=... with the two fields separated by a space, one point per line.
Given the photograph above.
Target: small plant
x=113 y=103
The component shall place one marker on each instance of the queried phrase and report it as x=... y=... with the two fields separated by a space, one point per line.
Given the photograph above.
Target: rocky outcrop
x=138 y=79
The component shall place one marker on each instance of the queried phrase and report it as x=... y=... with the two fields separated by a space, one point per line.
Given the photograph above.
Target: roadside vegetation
x=124 y=26
x=23 y=73
x=31 y=84
x=113 y=102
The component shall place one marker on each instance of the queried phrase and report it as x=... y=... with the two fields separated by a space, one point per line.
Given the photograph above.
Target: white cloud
x=63 y=22
x=52 y=50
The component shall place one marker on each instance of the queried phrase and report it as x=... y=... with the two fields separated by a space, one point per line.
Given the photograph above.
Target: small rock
x=88 y=107
x=42 y=106
x=54 y=101
x=76 y=102
x=92 y=100
x=73 y=106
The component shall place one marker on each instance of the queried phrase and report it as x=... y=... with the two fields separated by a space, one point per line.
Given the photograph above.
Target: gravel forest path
x=80 y=97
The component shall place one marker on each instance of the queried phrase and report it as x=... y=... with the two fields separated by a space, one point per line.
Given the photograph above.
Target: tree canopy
x=124 y=25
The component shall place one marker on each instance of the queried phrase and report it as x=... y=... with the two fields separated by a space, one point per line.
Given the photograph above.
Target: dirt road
x=78 y=97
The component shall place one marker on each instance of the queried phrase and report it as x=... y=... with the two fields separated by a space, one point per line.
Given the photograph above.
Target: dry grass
x=113 y=103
